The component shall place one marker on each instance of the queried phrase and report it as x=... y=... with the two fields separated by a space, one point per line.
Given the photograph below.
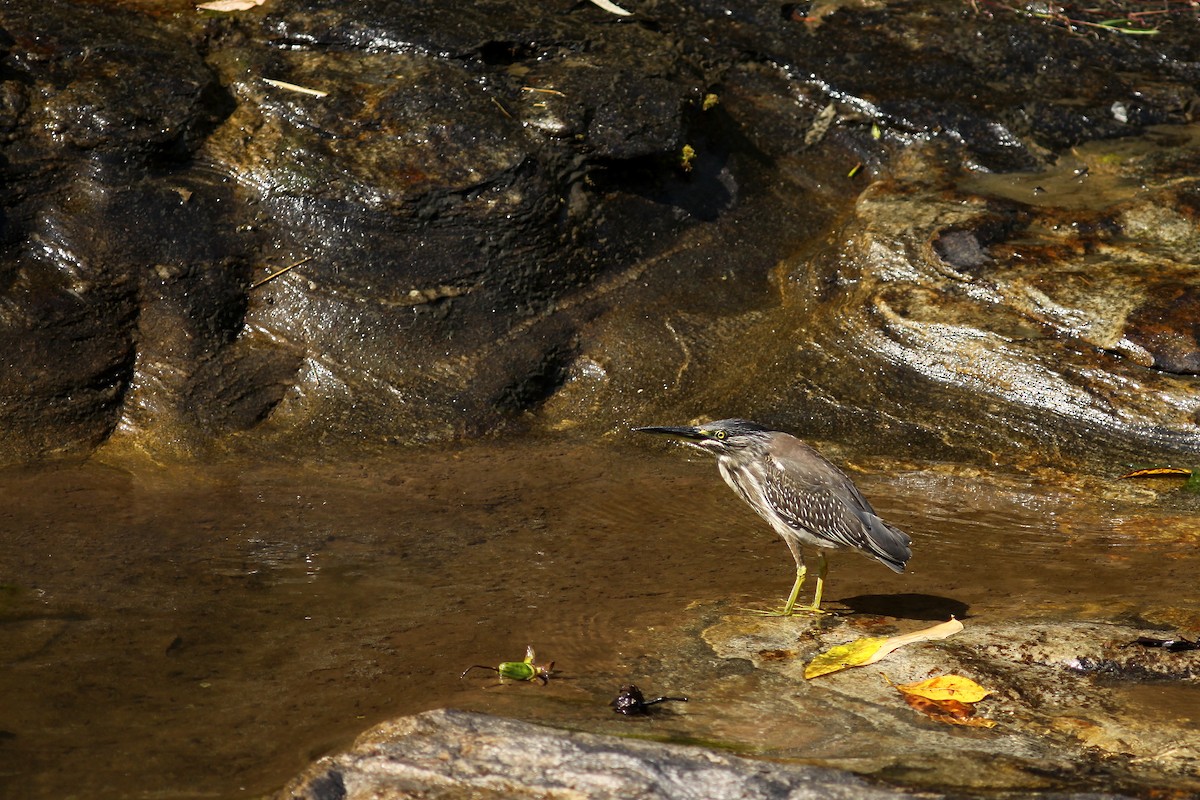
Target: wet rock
x=959 y=316
x=961 y=249
x=501 y=227
x=1066 y=699
x=99 y=123
x=956 y=313
x=465 y=173
x=1167 y=326
x=1052 y=322
x=444 y=754
x=112 y=84
x=1063 y=729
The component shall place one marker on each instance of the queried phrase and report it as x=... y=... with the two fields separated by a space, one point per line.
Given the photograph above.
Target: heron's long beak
x=691 y=434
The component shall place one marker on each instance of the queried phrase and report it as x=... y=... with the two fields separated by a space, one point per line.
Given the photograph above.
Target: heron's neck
x=735 y=475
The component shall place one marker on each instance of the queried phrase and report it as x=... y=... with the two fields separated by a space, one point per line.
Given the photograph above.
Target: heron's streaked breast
x=747 y=480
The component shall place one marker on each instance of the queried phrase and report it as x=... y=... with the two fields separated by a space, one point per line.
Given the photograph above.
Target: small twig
x=500 y=106
x=687 y=354
x=279 y=272
x=295 y=87
x=543 y=91
x=612 y=8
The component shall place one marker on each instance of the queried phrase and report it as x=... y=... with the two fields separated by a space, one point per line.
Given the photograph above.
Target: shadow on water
x=207 y=632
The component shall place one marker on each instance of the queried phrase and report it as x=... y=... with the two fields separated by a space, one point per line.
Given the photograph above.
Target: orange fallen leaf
x=946 y=698
x=950 y=708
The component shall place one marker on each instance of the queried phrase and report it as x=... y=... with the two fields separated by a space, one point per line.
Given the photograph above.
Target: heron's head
x=723 y=437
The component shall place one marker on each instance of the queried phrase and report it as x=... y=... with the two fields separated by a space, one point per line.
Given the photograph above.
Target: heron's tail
x=890 y=545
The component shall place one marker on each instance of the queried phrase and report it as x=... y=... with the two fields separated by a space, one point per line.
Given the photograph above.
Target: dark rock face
x=499 y=221
x=1167 y=325
x=112 y=259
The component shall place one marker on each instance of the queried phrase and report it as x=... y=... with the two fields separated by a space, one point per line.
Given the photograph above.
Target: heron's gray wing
x=811 y=494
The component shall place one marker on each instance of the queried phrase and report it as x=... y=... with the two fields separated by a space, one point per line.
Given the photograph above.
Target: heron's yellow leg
x=822 y=569
x=790 y=605
x=790 y=608
x=801 y=571
x=815 y=608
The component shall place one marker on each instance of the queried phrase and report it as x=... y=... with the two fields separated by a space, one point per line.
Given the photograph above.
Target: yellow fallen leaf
x=871 y=649
x=850 y=654
x=946 y=687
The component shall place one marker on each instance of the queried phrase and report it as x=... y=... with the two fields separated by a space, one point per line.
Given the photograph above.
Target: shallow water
x=207 y=632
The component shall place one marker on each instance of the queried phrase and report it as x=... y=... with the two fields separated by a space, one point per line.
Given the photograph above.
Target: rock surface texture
x=550 y=215
x=451 y=754
x=1075 y=711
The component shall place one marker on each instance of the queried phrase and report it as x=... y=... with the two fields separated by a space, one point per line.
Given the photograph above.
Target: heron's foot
x=815 y=611
x=783 y=611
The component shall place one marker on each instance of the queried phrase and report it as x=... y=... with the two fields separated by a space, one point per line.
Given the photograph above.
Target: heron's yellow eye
x=721 y=435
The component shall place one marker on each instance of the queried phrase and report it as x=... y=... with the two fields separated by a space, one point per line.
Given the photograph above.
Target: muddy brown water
x=207 y=632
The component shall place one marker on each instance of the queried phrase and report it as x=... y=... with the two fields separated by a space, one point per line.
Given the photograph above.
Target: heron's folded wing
x=815 y=496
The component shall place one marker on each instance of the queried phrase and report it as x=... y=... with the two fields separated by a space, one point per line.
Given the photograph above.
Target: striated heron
x=807 y=500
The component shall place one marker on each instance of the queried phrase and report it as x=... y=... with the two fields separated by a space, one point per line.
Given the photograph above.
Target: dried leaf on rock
x=850 y=654
x=820 y=125
x=950 y=708
x=819 y=10
x=1191 y=476
x=947 y=698
x=868 y=650
x=946 y=687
